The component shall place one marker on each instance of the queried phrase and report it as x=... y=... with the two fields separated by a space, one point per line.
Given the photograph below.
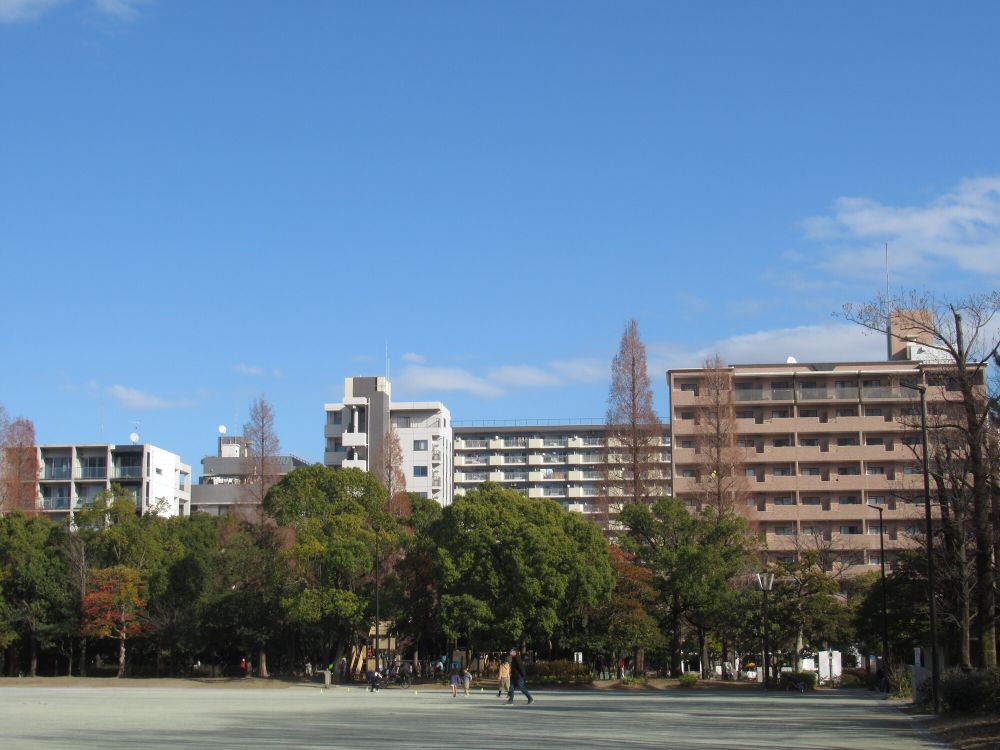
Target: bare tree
x=19 y=471
x=260 y=462
x=963 y=339
x=633 y=470
x=722 y=462
x=389 y=469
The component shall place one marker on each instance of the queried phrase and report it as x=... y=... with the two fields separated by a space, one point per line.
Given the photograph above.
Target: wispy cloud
x=421 y=379
x=583 y=370
x=523 y=376
x=414 y=358
x=133 y=398
x=13 y=11
x=244 y=369
x=960 y=229
x=832 y=342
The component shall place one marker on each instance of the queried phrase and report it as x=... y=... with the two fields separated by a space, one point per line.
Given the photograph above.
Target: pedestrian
x=466 y=680
x=343 y=667
x=455 y=679
x=602 y=666
x=503 y=677
x=621 y=668
x=517 y=678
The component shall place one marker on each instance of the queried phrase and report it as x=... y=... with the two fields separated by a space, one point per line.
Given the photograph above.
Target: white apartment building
x=355 y=429
x=71 y=476
x=561 y=460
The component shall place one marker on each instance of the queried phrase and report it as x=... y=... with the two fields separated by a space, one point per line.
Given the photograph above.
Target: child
x=504 y=678
x=454 y=683
x=466 y=680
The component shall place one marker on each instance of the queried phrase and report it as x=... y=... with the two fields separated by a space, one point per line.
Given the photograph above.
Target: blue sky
x=201 y=202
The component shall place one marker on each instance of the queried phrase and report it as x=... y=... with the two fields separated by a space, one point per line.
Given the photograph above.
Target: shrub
x=970 y=692
x=629 y=681
x=560 y=672
x=789 y=680
x=688 y=680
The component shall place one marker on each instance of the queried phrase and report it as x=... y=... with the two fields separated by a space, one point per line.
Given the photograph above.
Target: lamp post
x=766 y=580
x=377 y=601
x=881 y=550
x=921 y=388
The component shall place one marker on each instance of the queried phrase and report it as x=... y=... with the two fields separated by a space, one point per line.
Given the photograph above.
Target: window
x=876 y=500
x=746 y=442
x=687 y=443
x=750 y=471
x=848 y=471
x=912 y=470
x=874 y=440
x=744 y=413
x=337 y=417
x=872 y=411
x=92 y=467
x=420 y=471
x=847 y=412
x=809 y=471
x=850 y=500
x=782 y=471
x=784 y=530
x=687 y=415
x=842 y=441
x=875 y=471
x=876 y=530
x=808 y=442
x=911 y=442
x=788 y=500
x=779 y=413
x=781 y=442
x=690 y=388
x=850 y=529
x=419 y=445
x=689 y=473
x=811 y=501
x=808 y=412
x=810 y=530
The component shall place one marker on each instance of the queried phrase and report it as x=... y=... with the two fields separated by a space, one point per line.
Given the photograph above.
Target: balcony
x=782 y=394
x=128 y=472
x=515 y=443
x=57 y=474
x=495 y=444
x=55 y=503
x=355 y=463
x=846 y=393
x=92 y=472
x=436 y=455
x=496 y=460
x=475 y=444
x=814 y=394
x=354 y=439
x=879 y=392
x=751 y=394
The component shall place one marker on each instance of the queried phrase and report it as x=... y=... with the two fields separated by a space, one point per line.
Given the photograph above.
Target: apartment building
x=355 y=429
x=819 y=443
x=561 y=460
x=220 y=490
x=71 y=476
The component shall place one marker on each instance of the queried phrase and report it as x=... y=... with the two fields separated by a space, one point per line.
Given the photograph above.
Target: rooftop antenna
x=134 y=435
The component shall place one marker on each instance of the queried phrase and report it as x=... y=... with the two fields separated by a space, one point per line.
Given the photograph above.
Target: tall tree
x=389 y=469
x=260 y=464
x=114 y=607
x=19 y=470
x=963 y=339
x=635 y=435
x=722 y=462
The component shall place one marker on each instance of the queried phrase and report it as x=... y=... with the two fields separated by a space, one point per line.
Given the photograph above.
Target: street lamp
x=881 y=549
x=921 y=388
x=766 y=580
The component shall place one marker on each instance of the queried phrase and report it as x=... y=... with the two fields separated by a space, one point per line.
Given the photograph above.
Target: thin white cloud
x=421 y=379
x=123 y=9
x=414 y=358
x=12 y=11
x=831 y=342
x=244 y=369
x=523 y=376
x=583 y=370
x=960 y=229
x=132 y=398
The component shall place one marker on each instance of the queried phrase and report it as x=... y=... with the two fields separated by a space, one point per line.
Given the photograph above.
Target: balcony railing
x=55 y=503
x=475 y=443
x=130 y=472
x=751 y=395
x=782 y=394
x=814 y=393
x=56 y=473
x=872 y=391
x=93 y=472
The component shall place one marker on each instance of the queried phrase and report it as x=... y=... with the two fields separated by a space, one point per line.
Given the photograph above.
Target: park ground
x=250 y=714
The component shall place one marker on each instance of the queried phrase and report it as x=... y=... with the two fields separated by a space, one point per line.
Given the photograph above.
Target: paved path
x=144 y=718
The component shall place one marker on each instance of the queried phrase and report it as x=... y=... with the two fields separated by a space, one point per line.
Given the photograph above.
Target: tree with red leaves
x=115 y=607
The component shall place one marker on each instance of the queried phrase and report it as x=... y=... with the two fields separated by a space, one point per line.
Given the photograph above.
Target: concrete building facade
x=561 y=460
x=820 y=443
x=355 y=429
x=220 y=490
x=71 y=476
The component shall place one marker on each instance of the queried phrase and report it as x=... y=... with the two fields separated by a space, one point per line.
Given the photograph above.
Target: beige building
x=560 y=460
x=819 y=442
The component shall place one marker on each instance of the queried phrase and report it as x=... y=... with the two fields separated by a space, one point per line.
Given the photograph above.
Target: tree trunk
x=675 y=641
x=121 y=656
x=262 y=664
x=33 y=656
x=83 y=658
x=703 y=654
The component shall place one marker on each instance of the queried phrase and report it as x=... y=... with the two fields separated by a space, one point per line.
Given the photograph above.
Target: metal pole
x=885 y=626
x=767 y=658
x=931 y=586
x=377 y=603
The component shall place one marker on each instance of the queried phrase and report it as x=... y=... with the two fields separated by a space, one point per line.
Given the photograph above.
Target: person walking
x=503 y=677
x=455 y=680
x=466 y=680
x=517 y=678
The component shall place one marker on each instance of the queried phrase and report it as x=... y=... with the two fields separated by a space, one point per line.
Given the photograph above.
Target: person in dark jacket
x=517 y=677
